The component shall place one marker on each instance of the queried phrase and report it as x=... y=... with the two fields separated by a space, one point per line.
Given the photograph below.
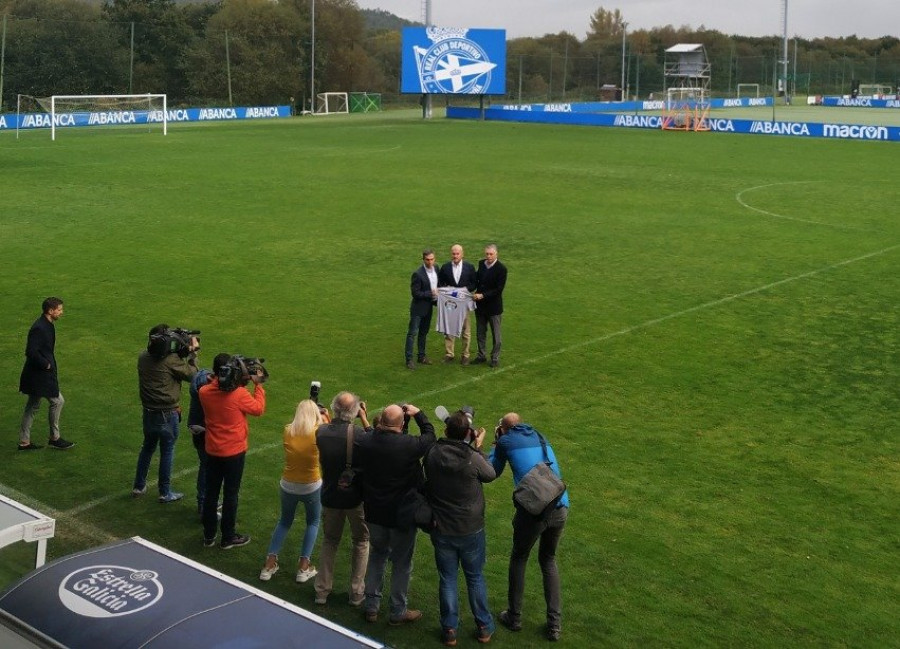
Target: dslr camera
x=239 y=370
x=173 y=341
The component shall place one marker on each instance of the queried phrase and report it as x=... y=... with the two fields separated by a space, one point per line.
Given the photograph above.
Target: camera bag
x=539 y=490
x=348 y=481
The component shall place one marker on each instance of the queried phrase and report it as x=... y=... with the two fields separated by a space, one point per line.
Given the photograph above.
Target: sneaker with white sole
x=266 y=573
x=305 y=575
x=235 y=541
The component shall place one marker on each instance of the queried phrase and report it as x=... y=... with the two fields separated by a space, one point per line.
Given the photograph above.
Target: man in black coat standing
x=491 y=280
x=423 y=287
x=39 y=378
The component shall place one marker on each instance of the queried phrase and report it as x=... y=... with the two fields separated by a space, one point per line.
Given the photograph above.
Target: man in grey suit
x=423 y=287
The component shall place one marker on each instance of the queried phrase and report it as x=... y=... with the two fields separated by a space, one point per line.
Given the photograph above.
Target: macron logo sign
x=855 y=132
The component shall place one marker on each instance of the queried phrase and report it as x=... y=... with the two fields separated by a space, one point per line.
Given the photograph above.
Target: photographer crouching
x=226 y=403
x=169 y=359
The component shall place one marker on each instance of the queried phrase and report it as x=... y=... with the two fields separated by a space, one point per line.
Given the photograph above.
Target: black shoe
x=507 y=620
x=208 y=543
x=495 y=363
x=448 y=359
x=410 y=365
x=60 y=444
x=553 y=634
x=479 y=360
x=424 y=361
x=236 y=541
x=30 y=446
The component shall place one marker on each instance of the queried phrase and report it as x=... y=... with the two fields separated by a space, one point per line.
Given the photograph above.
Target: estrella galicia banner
x=450 y=61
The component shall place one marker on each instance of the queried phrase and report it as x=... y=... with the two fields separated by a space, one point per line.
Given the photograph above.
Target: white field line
x=739 y=198
x=68 y=517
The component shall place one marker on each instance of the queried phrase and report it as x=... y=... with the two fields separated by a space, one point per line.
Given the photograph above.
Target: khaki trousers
x=450 y=341
x=332 y=530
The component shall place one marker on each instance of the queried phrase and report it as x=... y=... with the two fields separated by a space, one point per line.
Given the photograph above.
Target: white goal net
x=875 y=90
x=331 y=103
x=95 y=110
x=748 y=90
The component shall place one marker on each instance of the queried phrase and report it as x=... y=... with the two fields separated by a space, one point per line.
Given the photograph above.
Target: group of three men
x=455 y=289
x=451 y=471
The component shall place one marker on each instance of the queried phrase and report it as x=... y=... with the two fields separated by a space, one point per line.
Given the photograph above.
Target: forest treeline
x=257 y=52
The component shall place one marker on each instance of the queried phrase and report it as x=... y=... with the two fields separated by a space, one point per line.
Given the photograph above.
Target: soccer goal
x=332 y=103
x=748 y=90
x=875 y=90
x=94 y=110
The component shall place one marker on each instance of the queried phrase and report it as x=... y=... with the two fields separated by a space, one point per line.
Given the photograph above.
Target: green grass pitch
x=705 y=326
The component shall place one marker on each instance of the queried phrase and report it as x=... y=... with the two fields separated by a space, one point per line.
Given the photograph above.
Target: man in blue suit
x=423 y=287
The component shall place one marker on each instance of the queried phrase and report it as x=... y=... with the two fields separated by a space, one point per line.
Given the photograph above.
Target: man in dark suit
x=457 y=273
x=39 y=379
x=423 y=287
x=490 y=280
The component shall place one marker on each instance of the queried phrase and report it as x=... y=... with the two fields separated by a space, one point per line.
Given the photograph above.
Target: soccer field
x=704 y=325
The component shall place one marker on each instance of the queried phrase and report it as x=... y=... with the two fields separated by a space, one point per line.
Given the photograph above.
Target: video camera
x=173 y=341
x=239 y=370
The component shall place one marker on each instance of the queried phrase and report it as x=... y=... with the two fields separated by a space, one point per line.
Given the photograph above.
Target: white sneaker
x=306 y=575
x=266 y=573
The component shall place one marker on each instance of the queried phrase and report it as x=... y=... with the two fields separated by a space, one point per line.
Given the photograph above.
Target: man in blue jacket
x=521 y=446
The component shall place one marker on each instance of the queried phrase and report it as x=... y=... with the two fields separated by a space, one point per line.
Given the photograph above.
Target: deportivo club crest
x=453 y=64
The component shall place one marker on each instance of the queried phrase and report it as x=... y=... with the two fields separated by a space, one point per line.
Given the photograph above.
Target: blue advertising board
x=444 y=60
x=716 y=124
x=123 y=117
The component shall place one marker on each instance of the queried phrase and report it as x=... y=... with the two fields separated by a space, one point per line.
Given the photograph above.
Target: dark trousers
x=199 y=441
x=220 y=471
x=526 y=531
x=418 y=326
x=481 y=325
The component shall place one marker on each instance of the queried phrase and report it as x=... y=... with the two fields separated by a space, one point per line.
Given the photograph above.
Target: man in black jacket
x=391 y=464
x=491 y=280
x=455 y=472
x=39 y=379
x=339 y=505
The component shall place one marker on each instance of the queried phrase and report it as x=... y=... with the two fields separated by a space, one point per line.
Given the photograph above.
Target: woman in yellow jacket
x=301 y=482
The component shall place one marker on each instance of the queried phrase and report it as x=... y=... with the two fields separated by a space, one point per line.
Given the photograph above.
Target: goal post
x=96 y=110
x=332 y=103
x=751 y=89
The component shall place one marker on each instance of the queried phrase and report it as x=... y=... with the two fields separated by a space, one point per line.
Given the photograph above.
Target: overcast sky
x=806 y=18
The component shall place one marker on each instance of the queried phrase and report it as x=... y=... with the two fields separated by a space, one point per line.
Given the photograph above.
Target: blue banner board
x=860 y=102
x=122 y=117
x=716 y=124
x=443 y=60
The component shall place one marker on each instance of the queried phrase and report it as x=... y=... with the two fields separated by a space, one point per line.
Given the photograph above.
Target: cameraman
x=226 y=448
x=520 y=445
x=455 y=472
x=340 y=505
x=391 y=464
x=159 y=378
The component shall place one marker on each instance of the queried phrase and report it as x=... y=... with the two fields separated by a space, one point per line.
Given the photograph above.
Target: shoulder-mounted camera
x=173 y=341
x=239 y=370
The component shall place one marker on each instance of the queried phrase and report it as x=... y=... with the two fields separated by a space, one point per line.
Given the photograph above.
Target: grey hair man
x=340 y=505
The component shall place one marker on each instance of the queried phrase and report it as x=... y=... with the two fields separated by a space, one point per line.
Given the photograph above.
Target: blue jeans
x=468 y=551
x=160 y=429
x=313 y=505
x=418 y=325
x=398 y=545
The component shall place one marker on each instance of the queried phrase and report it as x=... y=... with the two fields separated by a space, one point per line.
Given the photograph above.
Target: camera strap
x=349 y=445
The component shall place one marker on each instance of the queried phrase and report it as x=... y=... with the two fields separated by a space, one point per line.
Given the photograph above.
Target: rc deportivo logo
x=109 y=591
x=453 y=64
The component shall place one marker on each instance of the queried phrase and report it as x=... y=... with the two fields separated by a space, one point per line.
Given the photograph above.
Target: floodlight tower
x=784 y=56
x=426 y=11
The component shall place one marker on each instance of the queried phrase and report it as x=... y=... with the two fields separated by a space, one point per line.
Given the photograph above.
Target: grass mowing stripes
x=720 y=386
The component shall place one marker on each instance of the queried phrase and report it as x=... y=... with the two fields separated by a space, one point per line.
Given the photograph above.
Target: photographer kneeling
x=226 y=403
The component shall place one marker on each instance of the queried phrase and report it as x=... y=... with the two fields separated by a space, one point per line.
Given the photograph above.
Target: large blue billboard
x=444 y=60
